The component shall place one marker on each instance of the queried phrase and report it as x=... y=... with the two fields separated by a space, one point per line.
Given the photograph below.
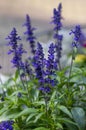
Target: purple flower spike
x=16 y=50
x=57 y=18
x=13 y=39
x=30 y=34
x=57 y=27
x=45 y=68
x=51 y=66
x=51 y=63
x=38 y=62
x=77 y=35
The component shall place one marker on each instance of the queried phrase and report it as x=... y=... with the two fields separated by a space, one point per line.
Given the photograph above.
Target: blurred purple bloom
x=6 y=125
x=44 y=89
x=59 y=47
x=13 y=39
x=57 y=18
x=38 y=62
x=30 y=33
x=82 y=40
x=26 y=67
x=77 y=34
x=16 y=50
x=39 y=67
x=57 y=27
x=19 y=95
x=51 y=66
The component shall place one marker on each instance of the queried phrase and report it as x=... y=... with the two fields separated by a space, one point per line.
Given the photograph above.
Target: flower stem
x=46 y=104
x=71 y=65
x=59 y=65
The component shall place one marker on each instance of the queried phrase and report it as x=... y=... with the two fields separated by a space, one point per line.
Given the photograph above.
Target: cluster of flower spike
x=44 y=68
x=6 y=125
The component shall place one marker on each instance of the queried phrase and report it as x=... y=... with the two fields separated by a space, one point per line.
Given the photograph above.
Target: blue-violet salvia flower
x=6 y=125
x=82 y=40
x=77 y=35
x=57 y=18
x=45 y=68
x=51 y=66
x=58 y=25
x=38 y=63
x=16 y=50
x=13 y=37
x=30 y=34
x=26 y=67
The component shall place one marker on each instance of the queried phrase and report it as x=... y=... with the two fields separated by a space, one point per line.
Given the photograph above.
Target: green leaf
x=66 y=120
x=71 y=127
x=34 y=93
x=27 y=111
x=53 y=95
x=15 y=113
x=41 y=128
x=59 y=126
x=65 y=110
x=16 y=92
x=38 y=117
x=9 y=114
x=79 y=117
x=16 y=75
x=3 y=110
x=38 y=103
x=31 y=116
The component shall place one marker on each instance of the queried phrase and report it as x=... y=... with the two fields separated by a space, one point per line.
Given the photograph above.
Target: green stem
x=70 y=68
x=46 y=104
x=21 y=79
x=59 y=65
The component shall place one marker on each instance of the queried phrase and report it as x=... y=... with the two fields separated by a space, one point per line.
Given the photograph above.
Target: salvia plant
x=43 y=95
